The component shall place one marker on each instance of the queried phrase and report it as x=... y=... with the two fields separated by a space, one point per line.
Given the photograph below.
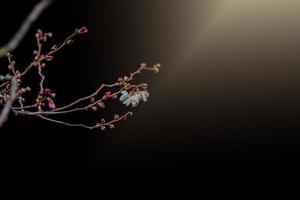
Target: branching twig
x=124 y=89
x=11 y=87
x=98 y=125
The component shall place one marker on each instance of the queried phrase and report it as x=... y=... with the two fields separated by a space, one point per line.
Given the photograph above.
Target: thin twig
x=138 y=71
x=42 y=78
x=39 y=60
x=60 y=111
x=110 y=123
x=67 y=124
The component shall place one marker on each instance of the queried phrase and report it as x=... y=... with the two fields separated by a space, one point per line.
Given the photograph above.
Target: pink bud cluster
x=45 y=97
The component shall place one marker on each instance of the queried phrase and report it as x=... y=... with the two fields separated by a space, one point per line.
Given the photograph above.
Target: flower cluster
x=45 y=99
x=134 y=97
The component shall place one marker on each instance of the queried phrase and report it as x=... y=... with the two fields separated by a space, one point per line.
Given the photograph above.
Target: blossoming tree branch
x=14 y=93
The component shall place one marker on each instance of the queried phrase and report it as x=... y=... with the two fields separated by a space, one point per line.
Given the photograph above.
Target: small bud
x=44 y=38
x=116 y=117
x=108 y=94
x=50 y=34
x=94 y=108
x=82 y=30
x=69 y=41
x=52 y=105
x=103 y=128
x=47 y=91
x=143 y=65
x=156 y=70
x=54 y=47
x=102 y=121
x=111 y=126
x=101 y=105
x=49 y=58
x=145 y=86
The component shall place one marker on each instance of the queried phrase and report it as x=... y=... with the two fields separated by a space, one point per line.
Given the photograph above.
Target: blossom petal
x=144 y=97
x=127 y=102
x=134 y=103
x=146 y=93
x=136 y=98
x=124 y=97
x=124 y=92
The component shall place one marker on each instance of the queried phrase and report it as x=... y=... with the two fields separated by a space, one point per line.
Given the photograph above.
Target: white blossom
x=134 y=98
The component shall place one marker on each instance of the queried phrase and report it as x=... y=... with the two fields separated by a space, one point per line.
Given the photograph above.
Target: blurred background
x=226 y=99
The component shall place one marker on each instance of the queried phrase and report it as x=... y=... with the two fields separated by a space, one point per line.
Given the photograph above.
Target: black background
x=200 y=123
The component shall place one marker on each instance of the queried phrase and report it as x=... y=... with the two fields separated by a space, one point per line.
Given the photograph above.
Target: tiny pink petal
x=51 y=105
x=83 y=29
x=49 y=58
x=108 y=94
x=47 y=91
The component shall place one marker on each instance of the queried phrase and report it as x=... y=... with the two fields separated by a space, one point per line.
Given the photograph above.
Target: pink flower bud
x=83 y=29
x=108 y=94
x=47 y=91
x=49 y=58
x=51 y=105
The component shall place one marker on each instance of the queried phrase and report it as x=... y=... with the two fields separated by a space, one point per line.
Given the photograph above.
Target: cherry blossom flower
x=134 y=98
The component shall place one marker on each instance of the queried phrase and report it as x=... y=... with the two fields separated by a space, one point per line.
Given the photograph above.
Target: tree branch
x=24 y=28
x=124 y=89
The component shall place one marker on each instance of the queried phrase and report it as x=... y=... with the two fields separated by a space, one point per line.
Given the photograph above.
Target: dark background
x=226 y=102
